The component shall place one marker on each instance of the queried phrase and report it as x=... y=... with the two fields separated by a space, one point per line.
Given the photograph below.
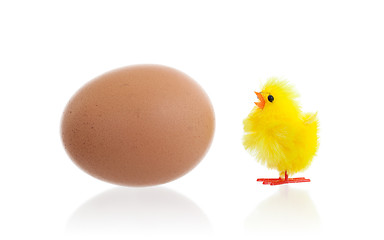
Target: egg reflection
x=139 y=211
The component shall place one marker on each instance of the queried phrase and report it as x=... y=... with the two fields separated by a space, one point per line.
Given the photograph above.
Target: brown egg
x=138 y=126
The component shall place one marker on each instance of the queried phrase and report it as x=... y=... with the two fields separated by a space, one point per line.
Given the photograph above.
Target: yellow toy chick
x=278 y=134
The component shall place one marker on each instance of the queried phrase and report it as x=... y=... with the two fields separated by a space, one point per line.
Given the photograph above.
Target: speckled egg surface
x=139 y=125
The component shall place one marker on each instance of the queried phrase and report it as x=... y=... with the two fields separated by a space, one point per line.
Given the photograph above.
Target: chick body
x=279 y=135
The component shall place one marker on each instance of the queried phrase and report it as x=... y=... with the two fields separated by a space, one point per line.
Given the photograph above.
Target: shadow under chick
x=288 y=210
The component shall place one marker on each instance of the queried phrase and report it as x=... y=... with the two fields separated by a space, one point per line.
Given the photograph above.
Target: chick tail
x=312 y=125
x=310 y=137
x=310 y=118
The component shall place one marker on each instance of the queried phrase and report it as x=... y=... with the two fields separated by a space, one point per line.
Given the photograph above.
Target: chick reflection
x=287 y=210
x=138 y=211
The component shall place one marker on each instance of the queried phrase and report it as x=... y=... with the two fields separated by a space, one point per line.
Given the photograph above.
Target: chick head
x=277 y=96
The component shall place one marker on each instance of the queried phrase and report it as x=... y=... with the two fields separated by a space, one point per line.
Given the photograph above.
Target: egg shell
x=139 y=125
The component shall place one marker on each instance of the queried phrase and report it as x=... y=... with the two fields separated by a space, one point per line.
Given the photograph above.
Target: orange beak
x=262 y=101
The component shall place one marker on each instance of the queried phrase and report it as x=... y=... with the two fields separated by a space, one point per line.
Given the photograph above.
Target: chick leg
x=283 y=179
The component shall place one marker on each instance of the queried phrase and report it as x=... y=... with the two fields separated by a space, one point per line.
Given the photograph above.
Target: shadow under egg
x=141 y=211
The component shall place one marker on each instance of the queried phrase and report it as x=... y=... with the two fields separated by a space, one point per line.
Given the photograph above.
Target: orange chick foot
x=279 y=181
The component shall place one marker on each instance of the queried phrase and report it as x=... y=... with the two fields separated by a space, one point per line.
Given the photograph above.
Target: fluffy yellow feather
x=277 y=133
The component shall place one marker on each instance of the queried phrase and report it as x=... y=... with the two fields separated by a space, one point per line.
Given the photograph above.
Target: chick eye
x=270 y=98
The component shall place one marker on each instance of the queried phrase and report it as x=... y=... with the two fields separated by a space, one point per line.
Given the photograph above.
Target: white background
x=332 y=51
